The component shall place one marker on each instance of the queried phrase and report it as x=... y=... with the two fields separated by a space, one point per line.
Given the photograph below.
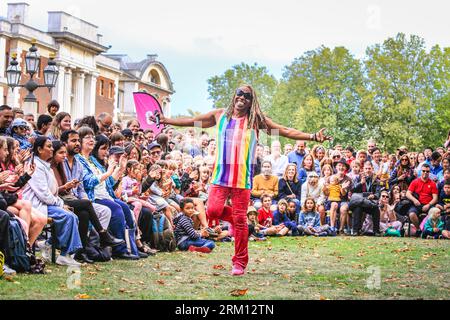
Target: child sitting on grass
x=309 y=220
x=186 y=236
x=280 y=218
x=434 y=225
x=254 y=228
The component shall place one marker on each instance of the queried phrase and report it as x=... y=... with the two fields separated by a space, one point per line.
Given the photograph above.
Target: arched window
x=154 y=77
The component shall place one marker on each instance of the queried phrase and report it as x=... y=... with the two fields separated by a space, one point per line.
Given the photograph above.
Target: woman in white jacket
x=42 y=191
x=314 y=189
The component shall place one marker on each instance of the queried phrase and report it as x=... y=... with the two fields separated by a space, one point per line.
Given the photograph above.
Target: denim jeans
x=196 y=243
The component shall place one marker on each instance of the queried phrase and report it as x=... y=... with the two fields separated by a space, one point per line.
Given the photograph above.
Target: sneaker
x=237 y=271
x=45 y=250
x=67 y=261
x=200 y=249
x=7 y=271
x=251 y=238
x=260 y=239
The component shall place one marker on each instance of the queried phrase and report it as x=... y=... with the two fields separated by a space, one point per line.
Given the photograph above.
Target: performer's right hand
x=162 y=119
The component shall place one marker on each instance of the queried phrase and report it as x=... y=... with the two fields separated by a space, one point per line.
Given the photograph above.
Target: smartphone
x=157 y=118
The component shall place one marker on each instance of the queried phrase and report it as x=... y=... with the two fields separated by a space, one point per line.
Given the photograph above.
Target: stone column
x=90 y=94
x=116 y=101
x=58 y=90
x=78 y=111
x=66 y=101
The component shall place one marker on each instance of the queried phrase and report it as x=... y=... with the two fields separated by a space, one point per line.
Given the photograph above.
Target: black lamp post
x=32 y=62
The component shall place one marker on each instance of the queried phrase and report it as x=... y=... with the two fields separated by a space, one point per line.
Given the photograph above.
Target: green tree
x=322 y=88
x=407 y=97
x=221 y=88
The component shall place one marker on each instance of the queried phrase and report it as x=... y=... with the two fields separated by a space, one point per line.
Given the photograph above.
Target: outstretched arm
x=296 y=134
x=206 y=120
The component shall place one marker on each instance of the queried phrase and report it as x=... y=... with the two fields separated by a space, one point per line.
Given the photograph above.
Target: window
x=154 y=77
x=111 y=90
x=102 y=88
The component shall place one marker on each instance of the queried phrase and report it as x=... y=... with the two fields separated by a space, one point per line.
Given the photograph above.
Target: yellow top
x=335 y=192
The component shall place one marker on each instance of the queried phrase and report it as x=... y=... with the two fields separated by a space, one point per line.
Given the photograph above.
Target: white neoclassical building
x=90 y=81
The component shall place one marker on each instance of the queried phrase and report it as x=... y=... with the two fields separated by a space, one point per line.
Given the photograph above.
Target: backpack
x=163 y=238
x=19 y=259
x=93 y=249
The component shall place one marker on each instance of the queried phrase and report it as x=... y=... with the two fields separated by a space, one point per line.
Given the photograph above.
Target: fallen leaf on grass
x=239 y=293
x=161 y=282
x=286 y=276
x=361 y=254
x=218 y=267
x=323 y=298
x=106 y=290
x=401 y=250
x=122 y=290
x=216 y=274
x=82 y=296
x=10 y=279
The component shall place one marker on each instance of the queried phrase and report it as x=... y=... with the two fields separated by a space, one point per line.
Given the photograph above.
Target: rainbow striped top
x=235 y=153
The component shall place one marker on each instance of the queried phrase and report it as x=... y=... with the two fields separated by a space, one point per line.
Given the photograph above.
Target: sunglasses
x=426 y=171
x=384 y=196
x=247 y=95
x=336 y=157
x=22 y=128
x=405 y=159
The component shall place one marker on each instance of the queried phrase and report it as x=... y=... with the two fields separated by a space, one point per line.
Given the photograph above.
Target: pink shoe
x=237 y=271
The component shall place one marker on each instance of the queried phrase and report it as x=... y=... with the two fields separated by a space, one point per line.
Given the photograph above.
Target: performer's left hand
x=321 y=137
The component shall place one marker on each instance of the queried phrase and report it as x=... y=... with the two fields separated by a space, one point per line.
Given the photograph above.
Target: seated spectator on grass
x=427 y=196
x=186 y=236
x=264 y=183
x=309 y=220
x=265 y=213
x=434 y=226
x=313 y=188
x=254 y=228
x=281 y=218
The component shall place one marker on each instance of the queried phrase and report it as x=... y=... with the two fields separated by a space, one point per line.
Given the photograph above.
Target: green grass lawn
x=281 y=268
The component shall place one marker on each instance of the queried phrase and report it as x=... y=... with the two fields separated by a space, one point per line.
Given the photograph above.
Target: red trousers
x=236 y=215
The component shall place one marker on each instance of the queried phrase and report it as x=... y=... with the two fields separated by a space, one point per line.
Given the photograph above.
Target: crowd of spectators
x=93 y=177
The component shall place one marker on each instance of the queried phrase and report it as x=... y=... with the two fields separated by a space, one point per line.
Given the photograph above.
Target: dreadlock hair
x=256 y=119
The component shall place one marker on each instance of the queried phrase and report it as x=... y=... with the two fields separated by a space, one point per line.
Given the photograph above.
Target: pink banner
x=147 y=105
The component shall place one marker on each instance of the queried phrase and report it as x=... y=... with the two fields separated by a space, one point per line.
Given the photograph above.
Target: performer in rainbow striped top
x=238 y=129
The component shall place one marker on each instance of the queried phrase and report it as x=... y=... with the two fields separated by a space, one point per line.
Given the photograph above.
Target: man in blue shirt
x=298 y=154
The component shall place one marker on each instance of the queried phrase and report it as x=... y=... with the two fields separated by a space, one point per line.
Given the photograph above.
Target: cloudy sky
x=197 y=39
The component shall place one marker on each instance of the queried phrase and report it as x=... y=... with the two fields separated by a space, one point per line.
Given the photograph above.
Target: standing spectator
x=427 y=193
x=44 y=123
x=29 y=117
x=53 y=108
x=104 y=122
x=435 y=166
x=288 y=149
x=298 y=154
x=278 y=161
x=318 y=153
x=18 y=113
x=61 y=123
x=259 y=156
x=349 y=154
x=6 y=118
x=306 y=168
x=403 y=174
x=133 y=125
